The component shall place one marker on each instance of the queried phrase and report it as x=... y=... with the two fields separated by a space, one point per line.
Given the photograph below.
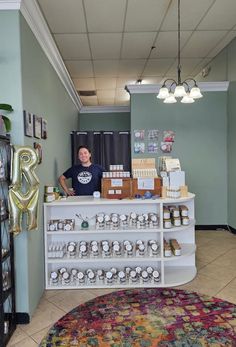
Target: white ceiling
x=106 y=44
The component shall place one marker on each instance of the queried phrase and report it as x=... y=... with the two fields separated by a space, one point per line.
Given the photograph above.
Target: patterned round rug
x=147 y=317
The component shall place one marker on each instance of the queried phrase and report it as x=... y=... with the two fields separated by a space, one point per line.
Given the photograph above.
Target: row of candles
x=133 y=220
x=127 y=275
x=104 y=249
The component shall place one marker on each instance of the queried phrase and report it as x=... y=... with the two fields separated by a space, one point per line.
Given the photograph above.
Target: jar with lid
x=176 y=221
x=185 y=220
x=167 y=223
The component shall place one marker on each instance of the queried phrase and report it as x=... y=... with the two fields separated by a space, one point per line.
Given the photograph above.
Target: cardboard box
x=116 y=188
x=153 y=186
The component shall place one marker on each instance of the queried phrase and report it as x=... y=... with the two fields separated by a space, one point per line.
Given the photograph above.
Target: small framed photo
x=28 y=124
x=38 y=148
x=37 y=126
x=44 y=132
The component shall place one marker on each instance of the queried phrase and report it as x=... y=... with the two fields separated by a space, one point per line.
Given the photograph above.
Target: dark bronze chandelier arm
x=168 y=79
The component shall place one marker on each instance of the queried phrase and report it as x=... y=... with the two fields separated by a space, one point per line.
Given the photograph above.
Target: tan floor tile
x=229 y=292
x=69 y=299
x=218 y=272
x=27 y=342
x=227 y=259
x=200 y=264
x=37 y=337
x=45 y=315
x=204 y=285
x=18 y=336
x=49 y=293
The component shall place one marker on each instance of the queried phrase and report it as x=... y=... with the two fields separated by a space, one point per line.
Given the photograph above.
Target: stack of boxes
x=173 y=178
x=116 y=183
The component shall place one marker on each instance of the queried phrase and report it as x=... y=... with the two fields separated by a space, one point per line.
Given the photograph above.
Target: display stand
x=173 y=270
x=7 y=282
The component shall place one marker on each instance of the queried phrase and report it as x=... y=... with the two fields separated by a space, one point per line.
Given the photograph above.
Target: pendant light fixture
x=188 y=90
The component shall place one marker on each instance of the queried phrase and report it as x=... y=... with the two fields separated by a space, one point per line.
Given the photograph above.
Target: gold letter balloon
x=24 y=189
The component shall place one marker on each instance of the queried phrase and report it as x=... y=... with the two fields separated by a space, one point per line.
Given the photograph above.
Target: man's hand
x=70 y=192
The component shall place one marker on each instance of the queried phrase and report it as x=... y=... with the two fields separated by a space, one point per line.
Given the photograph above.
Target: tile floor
x=216 y=263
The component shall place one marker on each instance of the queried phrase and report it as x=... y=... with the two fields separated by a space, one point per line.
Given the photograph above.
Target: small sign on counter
x=146 y=183
x=116 y=182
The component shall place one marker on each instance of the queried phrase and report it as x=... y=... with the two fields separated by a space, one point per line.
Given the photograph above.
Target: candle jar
x=121 y=277
x=81 y=277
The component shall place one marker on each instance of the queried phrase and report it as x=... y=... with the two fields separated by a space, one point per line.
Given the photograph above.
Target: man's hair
x=83 y=146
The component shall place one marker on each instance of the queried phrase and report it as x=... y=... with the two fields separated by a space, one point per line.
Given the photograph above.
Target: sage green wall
x=223 y=67
x=104 y=121
x=43 y=95
x=200 y=144
x=10 y=70
x=232 y=155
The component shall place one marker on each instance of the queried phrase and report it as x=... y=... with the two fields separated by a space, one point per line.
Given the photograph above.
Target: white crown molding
x=10 y=4
x=33 y=16
x=154 y=88
x=104 y=109
x=214 y=86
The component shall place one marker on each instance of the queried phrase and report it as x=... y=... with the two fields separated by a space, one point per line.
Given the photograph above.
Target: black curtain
x=107 y=147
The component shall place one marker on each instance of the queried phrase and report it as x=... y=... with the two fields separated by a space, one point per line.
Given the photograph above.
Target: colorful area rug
x=145 y=318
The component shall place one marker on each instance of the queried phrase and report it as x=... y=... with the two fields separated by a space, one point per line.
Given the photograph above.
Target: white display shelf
x=178 y=275
x=174 y=270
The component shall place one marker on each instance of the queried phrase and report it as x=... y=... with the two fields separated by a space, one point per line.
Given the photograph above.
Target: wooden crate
x=116 y=188
x=155 y=191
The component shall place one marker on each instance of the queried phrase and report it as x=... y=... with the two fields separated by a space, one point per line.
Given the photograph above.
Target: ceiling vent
x=87 y=92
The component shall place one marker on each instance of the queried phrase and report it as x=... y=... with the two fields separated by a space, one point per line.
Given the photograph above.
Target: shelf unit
x=7 y=282
x=174 y=270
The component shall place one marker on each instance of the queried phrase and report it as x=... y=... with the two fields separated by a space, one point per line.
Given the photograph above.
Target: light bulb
x=187 y=99
x=163 y=93
x=170 y=99
x=179 y=91
x=195 y=93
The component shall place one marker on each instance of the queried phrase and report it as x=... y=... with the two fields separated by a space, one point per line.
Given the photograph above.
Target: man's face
x=84 y=156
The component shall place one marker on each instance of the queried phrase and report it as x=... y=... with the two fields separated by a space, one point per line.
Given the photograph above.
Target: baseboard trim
x=212 y=227
x=22 y=318
x=233 y=231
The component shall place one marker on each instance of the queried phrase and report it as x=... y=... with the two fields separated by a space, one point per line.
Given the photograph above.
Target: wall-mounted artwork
x=44 y=132
x=39 y=150
x=28 y=124
x=37 y=126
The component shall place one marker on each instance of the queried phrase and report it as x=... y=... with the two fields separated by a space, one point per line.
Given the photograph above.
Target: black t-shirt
x=85 y=180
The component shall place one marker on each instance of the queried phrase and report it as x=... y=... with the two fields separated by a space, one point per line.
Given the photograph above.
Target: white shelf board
x=90 y=200
x=100 y=259
x=105 y=231
x=103 y=286
x=187 y=249
x=178 y=275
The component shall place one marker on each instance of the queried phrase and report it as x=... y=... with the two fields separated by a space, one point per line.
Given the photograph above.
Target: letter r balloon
x=24 y=189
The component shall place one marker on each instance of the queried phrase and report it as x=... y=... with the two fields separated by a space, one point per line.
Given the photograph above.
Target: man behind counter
x=86 y=177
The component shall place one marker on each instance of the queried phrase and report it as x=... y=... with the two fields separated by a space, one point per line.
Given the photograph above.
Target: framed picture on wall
x=28 y=124
x=44 y=132
x=38 y=148
x=37 y=126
